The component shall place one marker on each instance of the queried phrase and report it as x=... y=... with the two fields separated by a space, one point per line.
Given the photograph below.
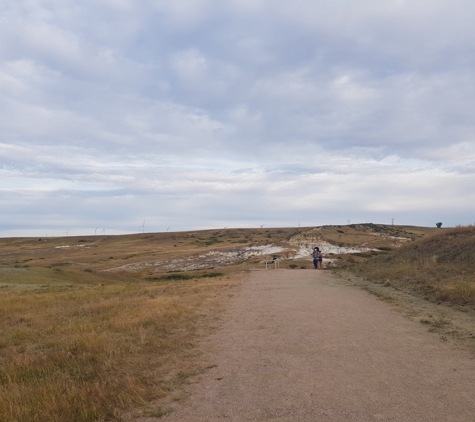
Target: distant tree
x=439 y=225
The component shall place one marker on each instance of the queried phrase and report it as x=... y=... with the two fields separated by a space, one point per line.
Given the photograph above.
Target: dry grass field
x=440 y=267
x=83 y=338
x=81 y=347
x=81 y=344
x=93 y=327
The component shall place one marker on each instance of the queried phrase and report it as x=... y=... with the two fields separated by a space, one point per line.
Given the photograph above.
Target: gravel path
x=298 y=346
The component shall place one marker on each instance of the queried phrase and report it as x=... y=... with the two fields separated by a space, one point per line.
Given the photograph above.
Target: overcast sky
x=194 y=114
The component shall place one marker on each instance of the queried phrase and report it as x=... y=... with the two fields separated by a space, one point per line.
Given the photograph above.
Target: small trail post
x=274 y=261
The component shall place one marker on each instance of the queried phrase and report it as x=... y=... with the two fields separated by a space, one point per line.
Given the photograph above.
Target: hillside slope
x=441 y=267
x=145 y=255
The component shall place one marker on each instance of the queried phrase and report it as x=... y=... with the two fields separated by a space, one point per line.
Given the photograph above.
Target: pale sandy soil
x=299 y=345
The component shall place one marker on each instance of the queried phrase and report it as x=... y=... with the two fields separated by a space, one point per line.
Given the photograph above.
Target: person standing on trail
x=320 y=260
x=315 y=253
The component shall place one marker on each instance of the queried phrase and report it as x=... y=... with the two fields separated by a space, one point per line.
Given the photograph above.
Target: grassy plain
x=81 y=347
x=93 y=327
x=82 y=340
x=81 y=344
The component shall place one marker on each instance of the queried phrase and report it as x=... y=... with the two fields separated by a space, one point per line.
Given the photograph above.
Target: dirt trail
x=299 y=346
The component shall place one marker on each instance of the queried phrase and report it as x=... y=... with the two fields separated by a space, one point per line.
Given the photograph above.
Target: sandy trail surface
x=297 y=345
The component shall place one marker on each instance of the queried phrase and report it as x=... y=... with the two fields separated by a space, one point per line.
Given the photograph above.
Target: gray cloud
x=230 y=113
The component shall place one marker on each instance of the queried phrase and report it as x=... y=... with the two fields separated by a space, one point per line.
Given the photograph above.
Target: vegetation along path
x=299 y=345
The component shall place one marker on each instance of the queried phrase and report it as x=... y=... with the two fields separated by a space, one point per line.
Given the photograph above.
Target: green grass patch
x=182 y=277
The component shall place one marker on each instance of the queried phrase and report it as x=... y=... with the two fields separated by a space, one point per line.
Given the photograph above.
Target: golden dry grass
x=440 y=267
x=87 y=351
x=81 y=343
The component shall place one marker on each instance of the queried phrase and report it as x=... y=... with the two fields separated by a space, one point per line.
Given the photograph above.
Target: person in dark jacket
x=315 y=253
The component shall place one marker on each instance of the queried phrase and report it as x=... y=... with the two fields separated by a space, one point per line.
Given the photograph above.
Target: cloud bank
x=202 y=113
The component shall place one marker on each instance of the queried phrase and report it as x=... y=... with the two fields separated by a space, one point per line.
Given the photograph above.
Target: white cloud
x=190 y=65
x=235 y=112
x=186 y=13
